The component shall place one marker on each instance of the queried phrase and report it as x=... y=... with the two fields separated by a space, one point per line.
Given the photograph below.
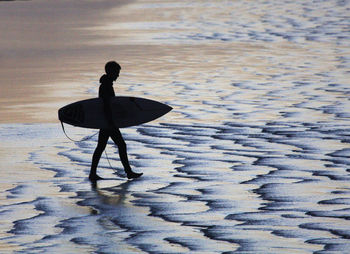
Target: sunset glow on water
x=253 y=158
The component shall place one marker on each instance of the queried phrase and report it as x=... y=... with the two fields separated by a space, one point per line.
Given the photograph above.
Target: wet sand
x=254 y=158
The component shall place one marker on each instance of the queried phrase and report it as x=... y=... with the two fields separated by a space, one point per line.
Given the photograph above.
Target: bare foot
x=94 y=178
x=132 y=175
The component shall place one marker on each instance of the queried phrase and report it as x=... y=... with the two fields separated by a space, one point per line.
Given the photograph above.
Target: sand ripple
x=254 y=158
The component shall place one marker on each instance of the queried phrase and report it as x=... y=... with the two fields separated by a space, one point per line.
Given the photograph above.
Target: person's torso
x=106 y=91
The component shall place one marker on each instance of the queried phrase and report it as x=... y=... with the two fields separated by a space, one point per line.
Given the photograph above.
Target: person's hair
x=112 y=66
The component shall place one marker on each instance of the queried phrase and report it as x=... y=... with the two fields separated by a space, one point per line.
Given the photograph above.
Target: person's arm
x=108 y=110
x=106 y=97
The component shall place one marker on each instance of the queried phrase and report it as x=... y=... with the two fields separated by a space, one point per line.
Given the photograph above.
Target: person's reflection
x=112 y=195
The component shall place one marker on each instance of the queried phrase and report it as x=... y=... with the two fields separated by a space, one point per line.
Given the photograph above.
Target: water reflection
x=253 y=159
x=114 y=196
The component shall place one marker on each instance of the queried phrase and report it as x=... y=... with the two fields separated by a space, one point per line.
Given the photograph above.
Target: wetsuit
x=106 y=92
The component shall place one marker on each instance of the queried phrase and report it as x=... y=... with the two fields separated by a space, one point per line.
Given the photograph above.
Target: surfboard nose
x=168 y=108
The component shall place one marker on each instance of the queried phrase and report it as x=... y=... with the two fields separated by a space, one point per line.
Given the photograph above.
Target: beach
x=253 y=158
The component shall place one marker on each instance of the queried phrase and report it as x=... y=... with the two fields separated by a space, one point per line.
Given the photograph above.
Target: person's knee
x=99 y=149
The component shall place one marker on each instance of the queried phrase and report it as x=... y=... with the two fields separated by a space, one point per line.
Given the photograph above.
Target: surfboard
x=126 y=112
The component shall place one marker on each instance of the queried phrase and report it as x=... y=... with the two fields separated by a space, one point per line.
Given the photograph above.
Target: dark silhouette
x=106 y=92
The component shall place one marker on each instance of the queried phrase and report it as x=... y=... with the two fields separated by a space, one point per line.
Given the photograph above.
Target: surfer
x=106 y=92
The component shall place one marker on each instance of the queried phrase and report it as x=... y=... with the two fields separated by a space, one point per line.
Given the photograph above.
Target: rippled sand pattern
x=254 y=158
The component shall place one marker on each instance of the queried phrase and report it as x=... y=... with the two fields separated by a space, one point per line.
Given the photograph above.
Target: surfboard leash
x=115 y=170
x=83 y=139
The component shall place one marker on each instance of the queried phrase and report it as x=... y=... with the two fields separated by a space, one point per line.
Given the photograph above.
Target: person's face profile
x=115 y=74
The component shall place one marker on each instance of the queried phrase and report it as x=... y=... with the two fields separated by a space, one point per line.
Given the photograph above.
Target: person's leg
x=101 y=145
x=119 y=141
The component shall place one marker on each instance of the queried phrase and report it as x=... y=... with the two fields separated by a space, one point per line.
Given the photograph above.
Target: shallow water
x=254 y=158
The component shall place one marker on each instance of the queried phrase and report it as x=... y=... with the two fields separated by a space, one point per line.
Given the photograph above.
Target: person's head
x=112 y=69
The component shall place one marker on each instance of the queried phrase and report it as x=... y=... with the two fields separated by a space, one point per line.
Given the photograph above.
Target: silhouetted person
x=106 y=92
